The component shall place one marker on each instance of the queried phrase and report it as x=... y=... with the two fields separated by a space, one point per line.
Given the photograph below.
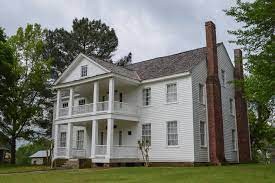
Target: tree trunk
x=13 y=150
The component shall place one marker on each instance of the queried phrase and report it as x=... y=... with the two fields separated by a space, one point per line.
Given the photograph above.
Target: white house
x=102 y=110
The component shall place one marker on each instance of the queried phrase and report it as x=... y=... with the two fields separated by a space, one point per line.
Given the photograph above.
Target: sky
x=147 y=28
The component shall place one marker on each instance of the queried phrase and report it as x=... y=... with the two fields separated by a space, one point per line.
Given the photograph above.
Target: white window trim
x=150 y=132
x=205 y=135
x=150 y=97
x=81 y=71
x=175 y=102
x=233 y=106
x=171 y=146
x=235 y=138
x=203 y=94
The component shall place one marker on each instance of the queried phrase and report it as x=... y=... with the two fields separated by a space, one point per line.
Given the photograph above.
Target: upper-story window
x=146 y=93
x=231 y=106
x=223 y=77
x=65 y=104
x=84 y=70
x=172 y=133
x=81 y=102
x=171 y=93
x=201 y=94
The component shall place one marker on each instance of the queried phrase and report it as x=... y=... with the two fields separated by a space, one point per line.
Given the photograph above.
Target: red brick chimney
x=241 y=111
x=214 y=104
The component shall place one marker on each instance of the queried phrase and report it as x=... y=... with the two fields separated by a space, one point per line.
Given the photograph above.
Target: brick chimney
x=241 y=111
x=214 y=104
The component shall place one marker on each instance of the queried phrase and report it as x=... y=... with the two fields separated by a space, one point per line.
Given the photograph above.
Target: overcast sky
x=147 y=28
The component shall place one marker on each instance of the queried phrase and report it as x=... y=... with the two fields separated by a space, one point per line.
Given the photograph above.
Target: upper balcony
x=108 y=95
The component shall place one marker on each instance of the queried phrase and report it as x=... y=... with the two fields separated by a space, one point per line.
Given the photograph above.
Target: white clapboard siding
x=160 y=112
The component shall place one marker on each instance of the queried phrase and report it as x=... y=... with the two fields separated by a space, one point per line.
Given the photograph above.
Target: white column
x=96 y=95
x=56 y=129
x=71 y=101
x=94 y=138
x=58 y=97
x=110 y=130
x=111 y=94
x=69 y=139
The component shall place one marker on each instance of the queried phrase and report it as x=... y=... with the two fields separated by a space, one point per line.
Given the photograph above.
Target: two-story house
x=185 y=105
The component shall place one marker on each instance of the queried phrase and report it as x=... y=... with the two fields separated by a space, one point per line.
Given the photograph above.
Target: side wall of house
x=159 y=113
x=227 y=93
x=199 y=75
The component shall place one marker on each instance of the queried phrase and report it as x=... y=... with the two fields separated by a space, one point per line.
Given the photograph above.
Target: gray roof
x=40 y=154
x=169 y=65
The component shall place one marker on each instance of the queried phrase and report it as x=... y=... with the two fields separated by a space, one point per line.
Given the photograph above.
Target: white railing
x=100 y=149
x=63 y=111
x=124 y=152
x=61 y=151
x=102 y=106
x=122 y=107
x=81 y=109
x=78 y=153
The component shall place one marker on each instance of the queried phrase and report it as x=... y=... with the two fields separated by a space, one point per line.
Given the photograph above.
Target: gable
x=73 y=72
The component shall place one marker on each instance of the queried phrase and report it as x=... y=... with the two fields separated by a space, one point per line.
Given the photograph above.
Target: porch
x=102 y=141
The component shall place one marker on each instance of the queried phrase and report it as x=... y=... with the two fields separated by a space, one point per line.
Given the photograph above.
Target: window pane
x=146 y=133
x=171 y=95
x=146 y=96
x=84 y=69
x=172 y=133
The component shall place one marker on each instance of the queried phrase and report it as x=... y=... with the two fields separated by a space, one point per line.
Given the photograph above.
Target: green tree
x=24 y=94
x=93 y=38
x=256 y=36
x=126 y=60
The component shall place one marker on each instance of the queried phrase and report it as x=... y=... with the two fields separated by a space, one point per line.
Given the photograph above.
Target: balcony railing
x=63 y=111
x=78 y=153
x=102 y=106
x=124 y=152
x=119 y=107
x=61 y=151
x=81 y=109
x=122 y=107
x=101 y=150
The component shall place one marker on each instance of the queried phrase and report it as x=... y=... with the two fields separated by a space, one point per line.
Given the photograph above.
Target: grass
x=237 y=173
x=6 y=168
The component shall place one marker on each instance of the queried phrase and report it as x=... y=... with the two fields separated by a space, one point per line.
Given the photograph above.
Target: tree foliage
x=93 y=38
x=126 y=60
x=24 y=90
x=256 y=36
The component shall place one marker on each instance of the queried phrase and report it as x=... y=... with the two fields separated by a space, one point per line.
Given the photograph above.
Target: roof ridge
x=172 y=54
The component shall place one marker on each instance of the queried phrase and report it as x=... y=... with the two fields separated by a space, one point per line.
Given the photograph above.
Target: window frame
x=63 y=139
x=66 y=105
x=223 y=77
x=144 y=98
x=234 y=139
x=176 y=92
x=84 y=71
x=80 y=142
x=204 y=134
x=167 y=134
x=231 y=106
x=146 y=136
x=203 y=99
x=81 y=99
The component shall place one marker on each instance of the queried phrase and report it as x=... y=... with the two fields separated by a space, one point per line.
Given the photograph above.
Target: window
x=84 y=70
x=101 y=138
x=234 y=145
x=201 y=94
x=223 y=77
x=203 y=133
x=171 y=93
x=81 y=102
x=65 y=105
x=62 y=139
x=172 y=133
x=146 y=133
x=80 y=139
x=146 y=96
x=231 y=106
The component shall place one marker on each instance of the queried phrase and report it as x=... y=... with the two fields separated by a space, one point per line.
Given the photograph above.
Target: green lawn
x=237 y=173
x=16 y=168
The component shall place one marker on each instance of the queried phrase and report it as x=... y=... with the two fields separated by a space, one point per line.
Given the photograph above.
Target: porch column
x=56 y=129
x=69 y=139
x=96 y=95
x=58 y=97
x=111 y=94
x=110 y=130
x=94 y=138
x=71 y=101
